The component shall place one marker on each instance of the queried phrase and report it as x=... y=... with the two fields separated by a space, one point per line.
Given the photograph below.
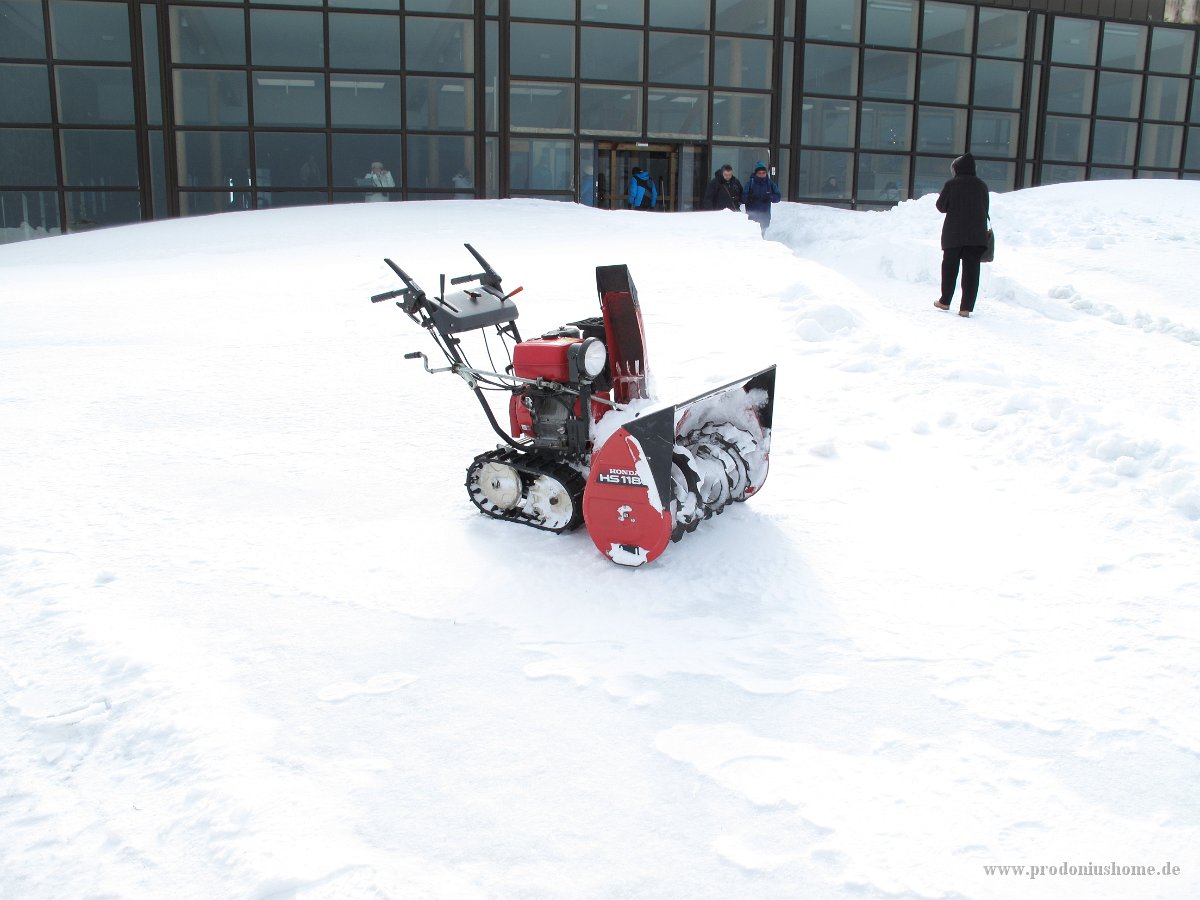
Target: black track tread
x=530 y=466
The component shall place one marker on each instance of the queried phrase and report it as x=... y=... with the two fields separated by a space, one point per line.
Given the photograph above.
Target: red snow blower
x=585 y=442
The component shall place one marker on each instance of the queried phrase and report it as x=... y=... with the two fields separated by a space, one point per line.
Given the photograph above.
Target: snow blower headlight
x=587 y=359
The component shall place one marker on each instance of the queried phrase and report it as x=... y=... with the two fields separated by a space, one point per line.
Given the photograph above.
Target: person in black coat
x=758 y=195
x=724 y=191
x=964 y=199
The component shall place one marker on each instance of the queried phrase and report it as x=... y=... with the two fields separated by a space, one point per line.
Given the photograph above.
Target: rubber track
x=530 y=466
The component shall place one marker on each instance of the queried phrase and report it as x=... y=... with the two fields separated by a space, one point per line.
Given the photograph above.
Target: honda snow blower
x=585 y=442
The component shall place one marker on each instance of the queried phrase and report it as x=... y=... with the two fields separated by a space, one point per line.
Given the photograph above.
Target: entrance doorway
x=674 y=169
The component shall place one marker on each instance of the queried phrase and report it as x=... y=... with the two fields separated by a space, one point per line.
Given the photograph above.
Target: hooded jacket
x=722 y=194
x=759 y=194
x=964 y=199
x=643 y=192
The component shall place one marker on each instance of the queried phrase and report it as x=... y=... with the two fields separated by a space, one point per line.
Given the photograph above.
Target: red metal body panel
x=543 y=358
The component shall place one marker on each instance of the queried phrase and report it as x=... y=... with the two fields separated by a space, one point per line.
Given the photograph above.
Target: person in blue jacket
x=758 y=195
x=643 y=192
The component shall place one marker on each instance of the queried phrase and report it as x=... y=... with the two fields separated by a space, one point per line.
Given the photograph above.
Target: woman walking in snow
x=964 y=199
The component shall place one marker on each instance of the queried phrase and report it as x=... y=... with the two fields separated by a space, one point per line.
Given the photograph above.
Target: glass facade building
x=116 y=111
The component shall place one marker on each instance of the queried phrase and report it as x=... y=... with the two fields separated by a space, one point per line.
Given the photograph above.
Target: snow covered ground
x=255 y=642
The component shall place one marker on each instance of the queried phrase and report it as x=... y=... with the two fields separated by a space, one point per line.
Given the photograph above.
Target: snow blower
x=585 y=444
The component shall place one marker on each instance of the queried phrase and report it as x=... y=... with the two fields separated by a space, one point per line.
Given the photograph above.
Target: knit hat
x=760 y=165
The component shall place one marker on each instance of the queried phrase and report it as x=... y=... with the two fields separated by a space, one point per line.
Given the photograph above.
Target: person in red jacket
x=964 y=199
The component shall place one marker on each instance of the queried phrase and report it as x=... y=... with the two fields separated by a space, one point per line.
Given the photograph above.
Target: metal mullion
x=1141 y=110
x=503 y=155
x=479 y=166
x=1039 y=136
x=55 y=125
x=141 y=127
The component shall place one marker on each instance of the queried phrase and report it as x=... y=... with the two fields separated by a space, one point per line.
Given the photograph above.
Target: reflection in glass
x=678 y=14
x=541 y=106
x=26 y=215
x=1114 y=143
x=745 y=16
x=26 y=93
x=434 y=162
x=881 y=179
x=1161 y=146
x=21 y=30
x=1107 y=173
x=1166 y=98
x=542 y=9
x=106 y=158
x=354 y=153
x=1066 y=140
x=1124 y=46
x=440 y=6
x=1075 y=41
x=998 y=83
x=941 y=130
x=210 y=37
x=88 y=30
x=381 y=5
x=91 y=95
x=212 y=158
x=440 y=104
x=829 y=123
x=832 y=20
x=281 y=38
x=1060 y=174
x=1070 y=91
x=994 y=134
x=945 y=79
x=678 y=59
x=618 y=12
x=947 y=28
x=886 y=126
x=892 y=23
x=541 y=165
x=364 y=41
x=1118 y=94
x=825 y=174
x=744 y=117
x=610 y=110
x=676 y=113
x=830 y=70
x=998 y=176
x=210 y=97
x=931 y=174
x=1193 y=152
x=88 y=209
x=27 y=157
x=1001 y=33
x=889 y=74
x=289 y=98
x=439 y=45
x=365 y=101
x=1171 y=50
x=610 y=54
x=542 y=50
x=291 y=160
x=742 y=62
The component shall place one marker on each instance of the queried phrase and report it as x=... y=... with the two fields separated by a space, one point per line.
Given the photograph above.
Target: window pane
x=1107 y=173
x=26 y=215
x=742 y=62
x=384 y=5
x=210 y=37
x=880 y=177
x=98 y=31
x=1124 y=45
x=290 y=160
x=440 y=6
x=354 y=153
x=999 y=176
x=90 y=95
x=1193 y=152
x=892 y=23
x=542 y=9
x=286 y=38
x=541 y=107
x=1075 y=41
x=106 y=158
x=26 y=157
x=677 y=113
x=1166 y=98
x=610 y=54
x=212 y=158
x=831 y=70
x=947 y=28
x=678 y=14
x=541 y=165
x=1058 y=174
x=289 y=98
x=1114 y=143
x=832 y=20
x=440 y=104
x=210 y=97
x=21 y=31
x=542 y=50
x=1118 y=94
x=364 y=41
x=610 y=110
x=1070 y=91
x=829 y=123
x=930 y=175
x=1171 y=50
x=439 y=45
x=679 y=59
x=1001 y=33
x=889 y=74
x=1161 y=146
x=994 y=134
x=1066 y=139
x=997 y=83
x=619 y=12
x=941 y=130
x=886 y=126
x=434 y=161
x=825 y=174
x=744 y=117
x=365 y=101
x=87 y=209
x=945 y=79
x=745 y=16
x=26 y=93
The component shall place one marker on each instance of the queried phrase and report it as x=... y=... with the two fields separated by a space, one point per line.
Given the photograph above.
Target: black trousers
x=969 y=258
